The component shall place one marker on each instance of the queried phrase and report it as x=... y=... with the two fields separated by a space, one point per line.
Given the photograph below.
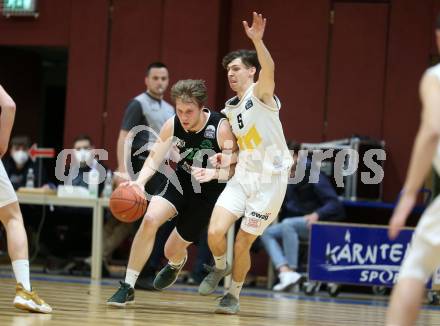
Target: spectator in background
x=304 y=204
x=85 y=158
x=18 y=163
x=70 y=227
x=114 y=233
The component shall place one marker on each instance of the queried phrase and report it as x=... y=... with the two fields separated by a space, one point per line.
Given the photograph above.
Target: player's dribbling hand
x=136 y=186
x=204 y=175
x=256 y=31
x=120 y=177
x=401 y=213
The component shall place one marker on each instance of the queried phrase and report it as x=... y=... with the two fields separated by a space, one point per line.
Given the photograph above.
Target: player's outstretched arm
x=229 y=147
x=6 y=119
x=423 y=152
x=265 y=87
x=157 y=154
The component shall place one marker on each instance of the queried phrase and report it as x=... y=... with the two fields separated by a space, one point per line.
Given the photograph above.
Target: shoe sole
x=290 y=285
x=30 y=306
x=166 y=287
x=120 y=305
x=225 y=311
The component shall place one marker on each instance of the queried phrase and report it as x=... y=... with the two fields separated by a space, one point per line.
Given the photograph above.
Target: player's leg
x=229 y=207
x=407 y=296
x=262 y=208
x=12 y=220
x=189 y=226
x=221 y=220
x=158 y=212
x=242 y=258
x=176 y=252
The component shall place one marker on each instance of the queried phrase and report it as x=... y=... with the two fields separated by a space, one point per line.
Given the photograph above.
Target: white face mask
x=83 y=155
x=20 y=157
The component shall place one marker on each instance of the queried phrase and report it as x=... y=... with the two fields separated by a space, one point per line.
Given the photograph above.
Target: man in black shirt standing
x=196 y=133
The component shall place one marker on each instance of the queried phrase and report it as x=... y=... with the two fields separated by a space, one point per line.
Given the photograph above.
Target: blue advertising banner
x=353 y=254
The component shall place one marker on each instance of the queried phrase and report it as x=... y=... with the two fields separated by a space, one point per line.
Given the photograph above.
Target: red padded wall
x=86 y=71
x=136 y=34
x=24 y=91
x=107 y=61
x=296 y=35
x=51 y=28
x=435 y=11
x=357 y=70
x=408 y=57
x=190 y=45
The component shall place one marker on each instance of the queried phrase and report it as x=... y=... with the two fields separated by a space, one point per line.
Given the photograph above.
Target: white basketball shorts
x=256 y=199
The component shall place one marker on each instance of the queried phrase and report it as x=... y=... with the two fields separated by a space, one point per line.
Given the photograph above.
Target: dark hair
x=82 y=137
x=293 y=146
x=437 y=22
x=21 y=140
x=248 y=57
x=188 y=90
x=155 y=65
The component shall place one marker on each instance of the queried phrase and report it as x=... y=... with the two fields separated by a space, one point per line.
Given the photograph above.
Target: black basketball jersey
x=195 y=148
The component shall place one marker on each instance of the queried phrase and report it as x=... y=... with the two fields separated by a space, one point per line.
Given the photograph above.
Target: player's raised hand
x=401 y=213
x=256 y=31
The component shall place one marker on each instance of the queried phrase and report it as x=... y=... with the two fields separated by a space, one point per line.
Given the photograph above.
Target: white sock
x=131 y=277
x=235 y=288
x=21 y=272
x=220 y=262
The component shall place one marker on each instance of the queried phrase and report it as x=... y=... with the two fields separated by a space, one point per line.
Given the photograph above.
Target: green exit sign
x=19 y=8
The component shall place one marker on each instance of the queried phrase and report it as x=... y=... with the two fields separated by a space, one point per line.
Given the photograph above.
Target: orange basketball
x=127 y=205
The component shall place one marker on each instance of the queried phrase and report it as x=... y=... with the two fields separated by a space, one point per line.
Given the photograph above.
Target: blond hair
x=190 y=91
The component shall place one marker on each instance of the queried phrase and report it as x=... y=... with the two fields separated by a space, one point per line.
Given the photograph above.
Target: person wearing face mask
x=84 y=158
x=18 y=163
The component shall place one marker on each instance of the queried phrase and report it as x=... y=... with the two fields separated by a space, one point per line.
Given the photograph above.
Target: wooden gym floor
x=76 y=302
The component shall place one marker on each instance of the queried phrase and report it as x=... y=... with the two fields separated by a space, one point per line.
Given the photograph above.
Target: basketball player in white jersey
x=12 y=220
x=424 y=255
x=257 y=189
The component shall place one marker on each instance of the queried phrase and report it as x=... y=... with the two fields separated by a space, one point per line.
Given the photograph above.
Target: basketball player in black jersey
x=196 y=134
